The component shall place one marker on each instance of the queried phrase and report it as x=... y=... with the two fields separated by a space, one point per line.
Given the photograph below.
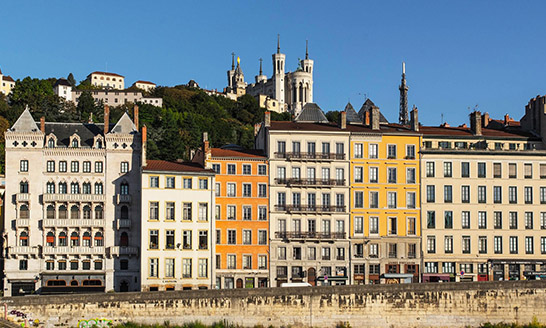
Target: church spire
x=278 y=43
x=306 y=49
x=232 y=61
x=403 y=115
x=260 y=66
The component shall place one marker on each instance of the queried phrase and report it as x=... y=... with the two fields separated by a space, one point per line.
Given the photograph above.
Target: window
x=391 y=199
x=170 y=182
x=169 y=211
x=542 y=195
x=497 y=220
x=431 y=194
x=528 y=195
x=497 y=170
x=512 y=170
x=153 y=268
x=393 y=226
x=513 y=220
x=203 y=212
x=98 y=167
x=154 y=239
x=262 y=213
x=513 y=243
x=542 y=220
x=529 y=247
x=358 y=150
x=203 y=239
x=410 y=199
x=247 y=262
x=448 y=220
x=481 y=170
x=358 y=174
x=23 y=165
x=465 y=194
x=466 y=245
x=482 y=192
x=482 y=220
x=448 y=244
x=124 y=188
x=247 y=237
x=74 y=166
x=154 y=182
x=528 y=171
x=187 y=211
x=231 y=169
x=373 y=174
x=50 y=187
x=340 y=149
x=231 y=212
x=203 y=184
x=262 y=190
x=497 y=194
x=262 y=237
x=247 y=190
x=50 y=166
x=86 y=167
x=448 y=169
x=448 y=194
x=410 y=175
x=216 y=168
x=99 y=213
x=231 y=190
x=359 y=199
x=74 y=239
x=373 y=250
x=543 y=245
x=372 y=151
x=51 y=143
x=124 y=167
x=186 y=268
x=391 y=175
x=98 y=188
x=374 y=199
x=154 y=211
x=169 y=239
x=431 y=219
x=391 y=151
x=247 y=213
x=429 y=169
x=262 y=169
x=359 y=224
x=497 y=244
x=528 y=220
x=513 y=195
x=62 y=166
x=232 y=237
x=169 y=268
x=431 y=244
x=410 y=151
x=374 y=225
x=465 y=169
x=187 y=183
x=187 y=239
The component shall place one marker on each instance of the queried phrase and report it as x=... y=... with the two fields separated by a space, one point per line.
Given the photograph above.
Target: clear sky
x=458 y=54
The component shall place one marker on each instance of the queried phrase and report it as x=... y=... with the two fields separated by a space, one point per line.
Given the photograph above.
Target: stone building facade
x=72 y=215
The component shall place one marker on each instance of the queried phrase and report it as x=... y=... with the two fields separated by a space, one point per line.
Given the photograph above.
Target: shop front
x=398 y=278
x=436 y=277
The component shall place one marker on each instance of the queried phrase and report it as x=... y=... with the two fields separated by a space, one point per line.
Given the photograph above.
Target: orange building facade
x=242 y=216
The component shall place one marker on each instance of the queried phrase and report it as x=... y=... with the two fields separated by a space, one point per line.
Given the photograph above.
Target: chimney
x=267 y=119
x=343 y=120
x=506 y=119
x=144 y=141
x=374 y=117
x=476 y=123
x=366 y=118
x=106 y=118
x=42 y=124
x=414 y=119
x=135 y=116
x=207 y=152
x=485 y=120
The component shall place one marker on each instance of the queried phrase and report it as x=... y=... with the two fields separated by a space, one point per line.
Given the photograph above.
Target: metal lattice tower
x=403 y=117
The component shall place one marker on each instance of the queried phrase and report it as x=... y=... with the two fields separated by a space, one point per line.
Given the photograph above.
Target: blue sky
x=458 y=54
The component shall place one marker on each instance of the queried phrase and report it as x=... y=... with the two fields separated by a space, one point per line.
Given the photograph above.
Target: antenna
x=442 y=118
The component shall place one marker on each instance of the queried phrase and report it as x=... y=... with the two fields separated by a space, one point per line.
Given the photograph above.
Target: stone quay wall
x=403 y=305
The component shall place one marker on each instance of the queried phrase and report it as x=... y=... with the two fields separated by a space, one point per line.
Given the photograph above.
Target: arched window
x=50 y=187
x=74 y=188
x=124 y=239
x=23 y=239
x=86 y=239
x=75 y=212
x=50 y=239
x=99 y=213
x=124 y=212
x=87 y=212
x=50 y=212
x=24 y=213
x=74 y=239
x=51 y=143
x=23 y=187
x=124 y=188
x=74 y=283
x=62 y=239
x=62 y=188
x=99 y=241
x=86 y=188
x=75 y=143
x=63 y=212
x=98 y=188
x=99 y=144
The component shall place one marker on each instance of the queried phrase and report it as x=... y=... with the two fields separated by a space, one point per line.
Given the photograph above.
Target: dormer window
x=51 y=143
x=98 y=143
x=75 y=143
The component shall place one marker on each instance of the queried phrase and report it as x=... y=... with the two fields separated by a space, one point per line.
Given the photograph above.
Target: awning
x=398 y=275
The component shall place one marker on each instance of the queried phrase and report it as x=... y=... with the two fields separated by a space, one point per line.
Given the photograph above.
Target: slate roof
x=25 y=123
x=467 y=133
x=311 y=113
x=62 y=82
x=106 y=73
x=63 y=132
x=166 y=166
x=234 y=153
x=366 y=106
x=352 y=116
x=124 y=125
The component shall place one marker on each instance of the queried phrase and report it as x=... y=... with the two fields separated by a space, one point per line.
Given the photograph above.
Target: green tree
x=87 y=106
x=333 y=116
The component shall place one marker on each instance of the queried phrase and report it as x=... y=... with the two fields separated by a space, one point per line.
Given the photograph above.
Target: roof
x=8 y=78
x=311 y=113
x=246 y=153
x=366 y=106
x=167 y=166
x=144 y=82
x=352 y=116
x=466 y=132
x=63 y=82
x=25 y=123
x=124 y=125
x=106 y=73
x=63 y=132
x=332 y=127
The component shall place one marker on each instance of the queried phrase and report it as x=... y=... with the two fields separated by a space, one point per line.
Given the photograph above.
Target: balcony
x=311 y=182
x=411 y=255
x=22 y=223
x=23 y=250
x=392 y=255
x=23 y=197
x=74 y=198
x=123 y=250
x=309 y=235
x=124 y=224
x=310 y=208
x=54 y=223
x=79 y=250
x=123 y=198
x=310 y=156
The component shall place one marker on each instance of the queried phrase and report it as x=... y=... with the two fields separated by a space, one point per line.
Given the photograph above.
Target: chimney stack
x=343 y=120
x=366 y=118
x=506 y=119
x=135 y=116
x=144 y=141
x=414 y=119
x=106 y=118
x=374 y=117
x=485 y=120
x=42 y=124
x=267 y=119
x=476 y=123
x=207 y=152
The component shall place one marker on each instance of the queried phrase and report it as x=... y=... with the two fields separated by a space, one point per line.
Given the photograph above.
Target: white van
x=296 y=284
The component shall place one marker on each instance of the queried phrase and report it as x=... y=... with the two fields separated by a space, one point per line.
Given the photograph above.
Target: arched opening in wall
x=99 y=213
x=86 y=239
x=24 y=213
x=124 y=239
x=50 y=213
x=74 y=239
x=311 y=276
x=74 y=283
x=50 y=239
x=124 y=212
x=62 y=239
x=23 y=187
x=51 y=143
x=74 y=212
x=92 y=282
x=99 y=240
x=56 y=283
x=87 y=212
x=124 y=286
x=124 y=188
x=239 y=283
x=23 y=239
x=63 y=213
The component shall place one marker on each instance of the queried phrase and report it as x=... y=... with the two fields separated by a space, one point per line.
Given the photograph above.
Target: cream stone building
x=107 y=80
x=145 y=85
x=483 y=191
x=63 y=89
x=6 y=83
x=72 y=214
x=177 y=226
x=118 y=97
x=309 y=196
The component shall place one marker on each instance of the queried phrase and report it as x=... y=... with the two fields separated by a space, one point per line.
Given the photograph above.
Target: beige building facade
x=145 y=85
x=6 y=83
x=107 y=80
